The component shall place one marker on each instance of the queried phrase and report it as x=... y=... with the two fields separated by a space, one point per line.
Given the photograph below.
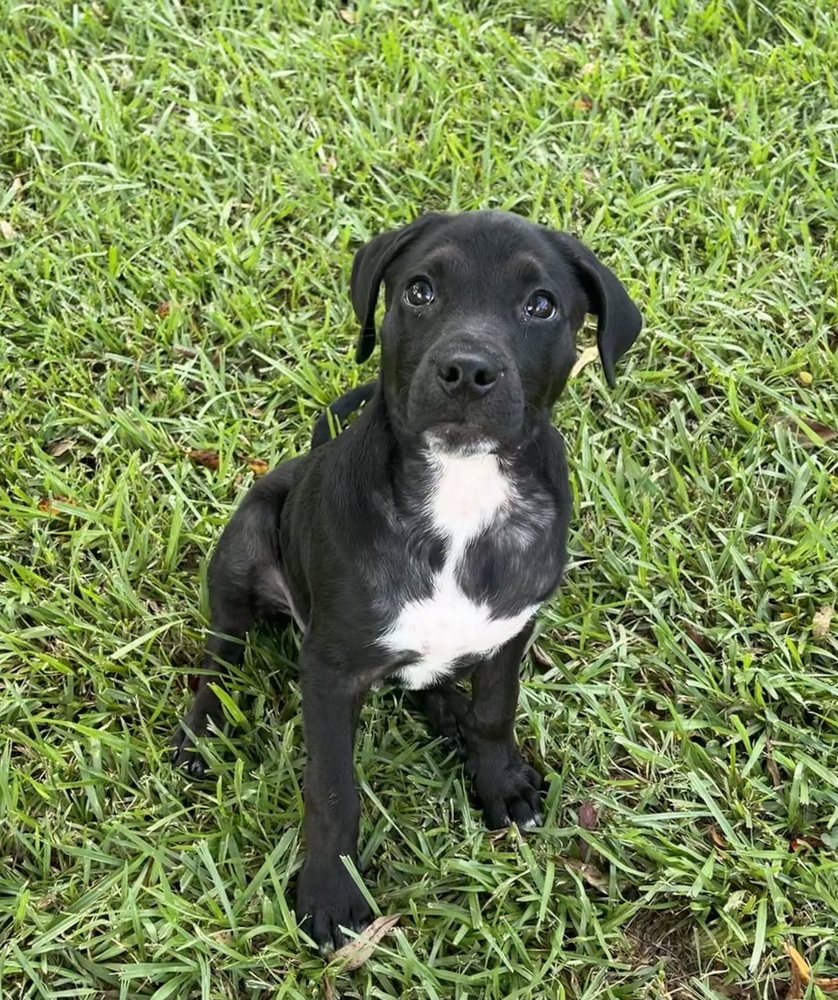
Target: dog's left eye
x=419 y=293
x=540 y=306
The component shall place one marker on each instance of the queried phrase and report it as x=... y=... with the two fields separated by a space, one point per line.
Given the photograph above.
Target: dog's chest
x=467 y=496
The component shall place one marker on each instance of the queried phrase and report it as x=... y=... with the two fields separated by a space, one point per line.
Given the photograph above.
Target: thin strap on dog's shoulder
x=340 y=410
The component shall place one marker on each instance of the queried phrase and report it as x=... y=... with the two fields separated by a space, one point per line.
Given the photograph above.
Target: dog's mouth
x=459 y=439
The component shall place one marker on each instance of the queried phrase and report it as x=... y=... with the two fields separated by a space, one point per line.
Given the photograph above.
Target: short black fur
x=342 y=539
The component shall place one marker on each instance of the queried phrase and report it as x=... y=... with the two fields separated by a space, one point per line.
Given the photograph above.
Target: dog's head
x=479 y=334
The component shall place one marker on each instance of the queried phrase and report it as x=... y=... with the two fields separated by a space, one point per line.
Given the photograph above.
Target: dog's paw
x=204 y=715
x=327 y=900
x=509 y=789
x=186 y=756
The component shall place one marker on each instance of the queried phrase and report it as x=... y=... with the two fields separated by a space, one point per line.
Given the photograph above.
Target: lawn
x=181 y=190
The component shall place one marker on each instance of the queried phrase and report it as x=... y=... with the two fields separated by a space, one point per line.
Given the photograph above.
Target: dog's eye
x=419 y=293
x=540 y=306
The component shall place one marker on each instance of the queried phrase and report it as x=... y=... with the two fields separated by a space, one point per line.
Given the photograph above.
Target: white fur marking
x=468 y=493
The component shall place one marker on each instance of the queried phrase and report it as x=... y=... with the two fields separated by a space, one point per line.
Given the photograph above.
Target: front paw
x=327 y=900
x=509 y=790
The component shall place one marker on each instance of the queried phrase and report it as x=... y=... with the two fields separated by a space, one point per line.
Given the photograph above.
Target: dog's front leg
x=508 y=788
x=327 y=896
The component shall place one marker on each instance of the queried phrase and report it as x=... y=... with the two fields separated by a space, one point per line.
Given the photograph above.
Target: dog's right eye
x=419 y=293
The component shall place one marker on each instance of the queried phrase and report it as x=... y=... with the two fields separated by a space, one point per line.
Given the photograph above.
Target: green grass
x=225 y=158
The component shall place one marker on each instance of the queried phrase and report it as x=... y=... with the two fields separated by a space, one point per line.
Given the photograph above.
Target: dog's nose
x=467 y=374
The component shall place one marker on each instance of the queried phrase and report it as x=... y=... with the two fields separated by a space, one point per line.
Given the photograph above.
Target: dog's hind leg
x=231 y=618
x=246 y=584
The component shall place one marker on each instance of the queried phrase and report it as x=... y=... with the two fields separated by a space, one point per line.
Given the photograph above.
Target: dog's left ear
x=618 y=319
x=368 y=268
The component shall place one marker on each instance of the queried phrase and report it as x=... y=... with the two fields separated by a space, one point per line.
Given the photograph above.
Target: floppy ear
x=618 y=318
x=368 y=268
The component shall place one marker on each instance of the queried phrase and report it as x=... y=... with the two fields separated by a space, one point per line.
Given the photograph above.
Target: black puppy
x=419 y=544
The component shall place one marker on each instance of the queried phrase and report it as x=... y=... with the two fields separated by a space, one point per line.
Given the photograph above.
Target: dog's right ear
x=368 y=269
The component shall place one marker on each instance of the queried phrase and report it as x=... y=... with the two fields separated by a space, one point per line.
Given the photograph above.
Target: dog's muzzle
x=467 y=396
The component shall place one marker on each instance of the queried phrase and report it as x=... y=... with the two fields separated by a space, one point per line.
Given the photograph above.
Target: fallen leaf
x=717 y=838
x=258 y=466
x=590 y=873
x=59 y=448
x=588 y=68
x=361 y=948
x=821 y=621
x=17 y=186
x=821 y=431
x=7 y=231
x=328 y=166
x=805 y=972
x=584 y=359
x=795 y=991
x=540 y=658
x=46 y=504
x=163 y=308
x=187 y=352
x=209 y=459
x=588 y=816
x=583 y=104
x=699 y=639
x=771 y=764
x=347 y=15
x=797 y=843
x=805 y=378
x=588 y=820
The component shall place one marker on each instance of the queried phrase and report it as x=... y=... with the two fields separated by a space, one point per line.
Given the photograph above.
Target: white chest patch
x=467 y=495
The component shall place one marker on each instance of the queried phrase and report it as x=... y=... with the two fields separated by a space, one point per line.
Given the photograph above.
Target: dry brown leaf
x=7 y=230
x=209 y=459
x=46 y=504
x=590 y=873
x=583 y=104
x=717 y=838
x=584 y=359
x=795 y=991
x=163 y=308
x=588 y=820
x=540 y=658
x=347 y=15
x=821 y=431
x=258 y=466
x=821 y=620
x=588 y=816
x=805 y=972
x=699 y=639
x=59 y=448
x=771 y=764
x=358 y=951
x=328 y=989
x=801 y=841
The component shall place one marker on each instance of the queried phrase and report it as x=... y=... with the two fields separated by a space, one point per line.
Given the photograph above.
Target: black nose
x=467 y=374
